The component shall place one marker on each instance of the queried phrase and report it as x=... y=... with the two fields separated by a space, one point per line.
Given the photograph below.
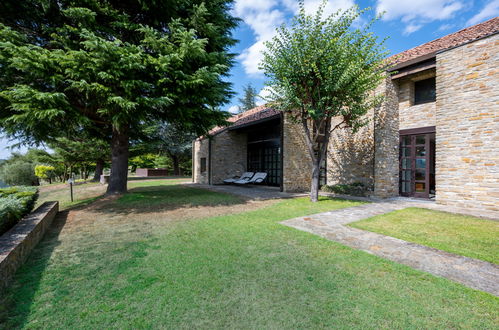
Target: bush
x=19 y=173
x=354 y=189
x=15 y=203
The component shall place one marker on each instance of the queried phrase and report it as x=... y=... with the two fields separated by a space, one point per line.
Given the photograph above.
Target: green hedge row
x=354 y=189
x=15 y=203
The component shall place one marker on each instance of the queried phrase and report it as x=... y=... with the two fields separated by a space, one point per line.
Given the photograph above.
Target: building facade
x=435 y=136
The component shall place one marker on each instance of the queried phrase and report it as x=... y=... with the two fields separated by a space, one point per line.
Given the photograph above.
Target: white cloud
x=263 y=96
x=412 y=28
x=311 y=6
x=490 y=10
x=233 y=109
x=415 y=13
x=264 y=16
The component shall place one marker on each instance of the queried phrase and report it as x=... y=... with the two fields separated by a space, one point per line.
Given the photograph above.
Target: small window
x=424 y=91
x=203 y=164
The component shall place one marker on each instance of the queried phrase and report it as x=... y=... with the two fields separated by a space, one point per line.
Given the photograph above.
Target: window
x=424 y=91
x=203 y=164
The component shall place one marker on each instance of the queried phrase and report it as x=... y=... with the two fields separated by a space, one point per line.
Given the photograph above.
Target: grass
x=460 y=234
x=105 y=269
x=84 y=194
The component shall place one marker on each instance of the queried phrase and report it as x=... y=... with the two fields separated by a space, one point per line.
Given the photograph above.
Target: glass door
x=417 y=165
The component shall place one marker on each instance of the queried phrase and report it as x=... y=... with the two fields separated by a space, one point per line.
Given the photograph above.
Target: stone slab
x=473 y=273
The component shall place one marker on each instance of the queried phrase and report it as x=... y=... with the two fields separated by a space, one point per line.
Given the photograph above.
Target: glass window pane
x=406 y=163
x=406 y=187
x=420 y=139
x=406 y=152
x=406 y=175
x=406 y=140
x=421 y=163
x=420 y=151
x=420 y=187
x=420 y=174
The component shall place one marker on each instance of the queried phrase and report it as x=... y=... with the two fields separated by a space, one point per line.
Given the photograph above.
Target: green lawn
x=106 y=268
x=465 y=235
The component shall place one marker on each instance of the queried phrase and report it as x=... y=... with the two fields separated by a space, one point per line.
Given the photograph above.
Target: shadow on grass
x=142 y=178
x=16 y=300
x=167 y=198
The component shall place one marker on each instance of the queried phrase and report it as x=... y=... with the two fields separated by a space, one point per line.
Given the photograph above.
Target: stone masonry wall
x=200 y=151
x=410 y=115
x=467 y=139
x=350 y=155
x=229 y=155
x=297 y=169
x=386 y=142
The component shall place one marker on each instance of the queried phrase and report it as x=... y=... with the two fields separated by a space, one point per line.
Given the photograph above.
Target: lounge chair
x=244 y=176
x=259 y=177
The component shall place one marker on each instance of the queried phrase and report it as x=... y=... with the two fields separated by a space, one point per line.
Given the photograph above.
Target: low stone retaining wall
x=17 y=243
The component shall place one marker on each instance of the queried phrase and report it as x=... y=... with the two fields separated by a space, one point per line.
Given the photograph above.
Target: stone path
x=473 y=273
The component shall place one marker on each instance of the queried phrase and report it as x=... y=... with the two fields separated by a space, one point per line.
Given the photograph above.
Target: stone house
x=435 y=136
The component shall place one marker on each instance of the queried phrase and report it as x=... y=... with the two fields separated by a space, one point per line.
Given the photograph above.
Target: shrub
x=354 y=189
x=19 y=173
x=15 y=203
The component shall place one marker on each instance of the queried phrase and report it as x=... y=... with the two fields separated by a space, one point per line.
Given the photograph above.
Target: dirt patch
x=91 y=217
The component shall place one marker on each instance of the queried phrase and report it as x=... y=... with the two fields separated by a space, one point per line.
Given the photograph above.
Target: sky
x=406 y=24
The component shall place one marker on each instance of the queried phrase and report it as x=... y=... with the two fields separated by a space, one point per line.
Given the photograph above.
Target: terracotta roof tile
x=255 y=114
x=449 y=41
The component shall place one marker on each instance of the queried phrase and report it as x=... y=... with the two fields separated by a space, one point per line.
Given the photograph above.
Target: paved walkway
x=473 y=273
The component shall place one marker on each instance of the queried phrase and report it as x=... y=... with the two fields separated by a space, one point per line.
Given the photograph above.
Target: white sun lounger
x=244 y=176
x=257 y=178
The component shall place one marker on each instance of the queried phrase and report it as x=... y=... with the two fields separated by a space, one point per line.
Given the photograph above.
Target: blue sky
x=407 y=23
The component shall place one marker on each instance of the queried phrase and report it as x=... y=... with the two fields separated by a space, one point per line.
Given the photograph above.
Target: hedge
x=354 y=189
x=15 y=203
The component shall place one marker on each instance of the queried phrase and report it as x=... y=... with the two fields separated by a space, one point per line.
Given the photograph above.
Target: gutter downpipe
x=209 y=161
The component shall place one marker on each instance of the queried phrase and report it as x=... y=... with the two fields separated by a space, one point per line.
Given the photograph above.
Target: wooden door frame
x=413 y=132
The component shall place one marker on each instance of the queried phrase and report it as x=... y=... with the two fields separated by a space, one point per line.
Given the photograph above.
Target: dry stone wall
x=229 y=155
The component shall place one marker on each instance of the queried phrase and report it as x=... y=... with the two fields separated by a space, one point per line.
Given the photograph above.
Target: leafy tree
x=79 y=154
x=107 y=67
x=248 y=100
x=19 y=173
x=45 y=172
x=321 y=68
x=173 y=140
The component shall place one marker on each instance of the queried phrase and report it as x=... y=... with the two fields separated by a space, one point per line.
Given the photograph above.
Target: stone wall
x=297 y=165
x=411 y=115
x=350 y=155
x=386 y=142
x=201 y=150
x=229 y=155
x=467 y=139
x=18 y=242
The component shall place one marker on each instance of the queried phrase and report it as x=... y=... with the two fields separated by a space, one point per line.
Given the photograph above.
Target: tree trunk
x=119 y=162
x=176 y=165
x=314 y=187
x=99 y=168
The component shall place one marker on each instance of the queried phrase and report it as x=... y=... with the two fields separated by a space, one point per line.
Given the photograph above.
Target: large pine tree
x=109 y=67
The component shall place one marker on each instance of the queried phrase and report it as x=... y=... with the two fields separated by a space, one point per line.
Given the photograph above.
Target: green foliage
x=354 y=189
x=322 y=67
x=18 y=172
x=143 y=161
x=15 y=203
x=247 y=102
x=99 y=64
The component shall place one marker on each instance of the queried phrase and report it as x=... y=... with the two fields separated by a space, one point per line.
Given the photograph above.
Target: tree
x=173 y=140
x=248 y=100
x=321 y=68
x=45 y=172
x=19 y=173
x=106 y=67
